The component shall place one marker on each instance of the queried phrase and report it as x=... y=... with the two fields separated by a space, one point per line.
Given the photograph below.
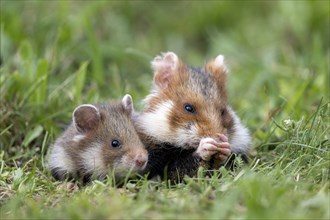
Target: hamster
x=100 y=139
x=187 y=121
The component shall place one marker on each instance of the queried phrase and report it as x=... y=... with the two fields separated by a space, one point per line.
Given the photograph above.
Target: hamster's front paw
x=207 y=148
x=224 y=150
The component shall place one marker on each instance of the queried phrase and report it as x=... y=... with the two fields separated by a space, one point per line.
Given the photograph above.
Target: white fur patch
x=59 y=159
x=92 y=158
x=240 y=140
x=156 y=123
x=185 y=137
x=220 y=60
x=78 y=137
x=220 y=63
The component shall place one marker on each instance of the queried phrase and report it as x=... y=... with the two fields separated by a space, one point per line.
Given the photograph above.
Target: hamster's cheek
x=187 y=136
x=123 y=166
x=111 y=156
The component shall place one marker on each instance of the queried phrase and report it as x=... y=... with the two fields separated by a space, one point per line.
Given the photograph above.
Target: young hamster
x=187 y=121
x=100 y=139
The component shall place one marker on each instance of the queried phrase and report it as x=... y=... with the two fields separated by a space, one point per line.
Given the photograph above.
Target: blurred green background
x=57 y=54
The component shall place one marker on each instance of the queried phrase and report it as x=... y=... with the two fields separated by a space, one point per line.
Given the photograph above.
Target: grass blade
x=80 y=81
x=42 y=72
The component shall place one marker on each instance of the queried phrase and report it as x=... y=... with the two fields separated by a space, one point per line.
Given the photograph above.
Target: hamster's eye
x=189 y=108
x=115 y=143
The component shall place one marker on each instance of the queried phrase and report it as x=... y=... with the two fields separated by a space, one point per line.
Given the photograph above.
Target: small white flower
x=288 y=122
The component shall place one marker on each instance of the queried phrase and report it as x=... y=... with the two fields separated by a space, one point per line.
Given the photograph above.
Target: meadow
x=58 y=54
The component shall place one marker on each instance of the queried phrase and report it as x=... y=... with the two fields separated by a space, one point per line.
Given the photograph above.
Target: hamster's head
x=186 y=103
x=108 y=140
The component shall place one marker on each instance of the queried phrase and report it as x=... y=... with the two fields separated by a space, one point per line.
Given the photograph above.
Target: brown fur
x=114 y=123
x=220 y=76
x=178 y=84
x=211 y=114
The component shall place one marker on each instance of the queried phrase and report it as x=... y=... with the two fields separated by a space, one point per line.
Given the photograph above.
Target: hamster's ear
x=164 y=66
x=218 y=69
x=128 y=103
x=86 y=117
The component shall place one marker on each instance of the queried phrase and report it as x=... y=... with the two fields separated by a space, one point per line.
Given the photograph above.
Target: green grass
x=57 y=54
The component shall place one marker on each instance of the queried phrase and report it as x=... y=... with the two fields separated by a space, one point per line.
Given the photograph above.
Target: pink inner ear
x=164 y=66
x=162 y=77
x=166 y=73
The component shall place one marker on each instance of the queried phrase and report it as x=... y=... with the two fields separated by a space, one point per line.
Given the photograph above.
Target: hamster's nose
x=140 y=161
